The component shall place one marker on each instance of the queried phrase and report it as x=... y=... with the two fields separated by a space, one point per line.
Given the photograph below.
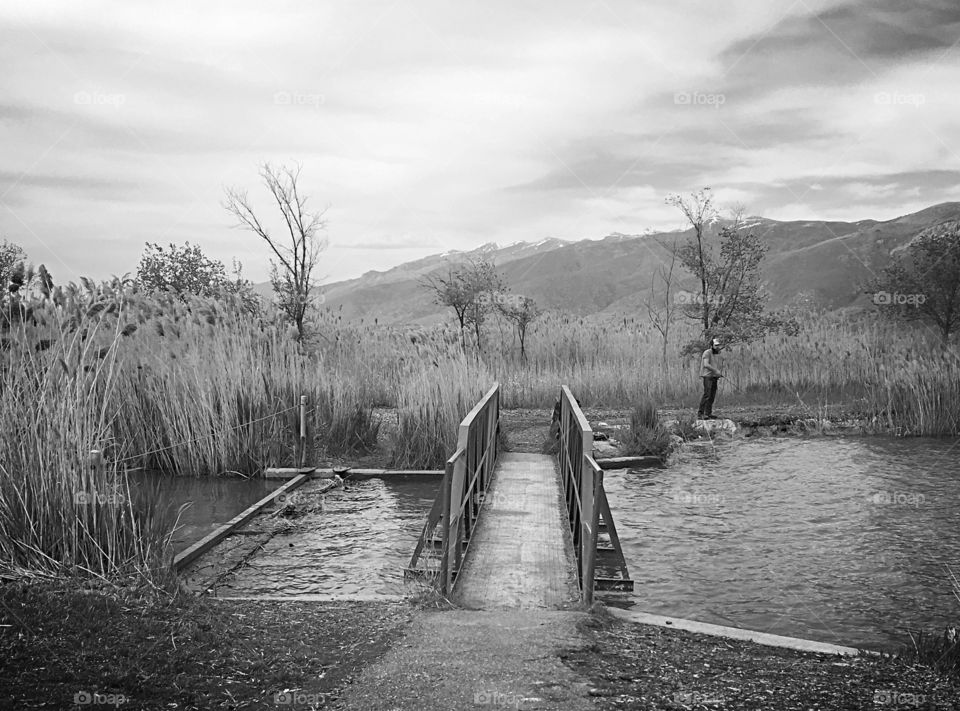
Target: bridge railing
x=588 y=510
x=453 y=516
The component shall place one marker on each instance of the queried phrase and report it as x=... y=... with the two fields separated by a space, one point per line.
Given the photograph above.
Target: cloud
x=92 y=186
x=840 y=45
x=434 y=126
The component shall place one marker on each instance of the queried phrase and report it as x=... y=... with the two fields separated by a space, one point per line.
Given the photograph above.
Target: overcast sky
x=426 y=126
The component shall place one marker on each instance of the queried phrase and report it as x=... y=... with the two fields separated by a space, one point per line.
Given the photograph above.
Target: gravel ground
x=633 y=666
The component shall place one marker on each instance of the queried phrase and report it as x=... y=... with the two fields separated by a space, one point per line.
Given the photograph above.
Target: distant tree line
x=720 y=261
x=477 y=292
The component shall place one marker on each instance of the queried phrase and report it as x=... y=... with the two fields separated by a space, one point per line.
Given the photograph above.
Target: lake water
x=839 y=540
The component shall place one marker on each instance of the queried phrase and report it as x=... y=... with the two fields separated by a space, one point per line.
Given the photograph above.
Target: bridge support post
x=453 y=542
x=584 y=474
x=590 y=488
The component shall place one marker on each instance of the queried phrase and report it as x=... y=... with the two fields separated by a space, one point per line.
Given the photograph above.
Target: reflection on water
x=212 y=500
x=356 y=547
x=840 y=540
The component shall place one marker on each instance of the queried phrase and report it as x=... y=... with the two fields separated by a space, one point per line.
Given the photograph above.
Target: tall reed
x=196 y=387
x=57 y=514
x=431 y=402
x=893 y=371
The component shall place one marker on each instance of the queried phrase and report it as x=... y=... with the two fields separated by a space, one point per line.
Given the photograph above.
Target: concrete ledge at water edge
x=345 y=472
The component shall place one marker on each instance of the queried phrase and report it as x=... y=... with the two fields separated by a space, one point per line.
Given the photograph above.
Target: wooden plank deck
x=521 y=554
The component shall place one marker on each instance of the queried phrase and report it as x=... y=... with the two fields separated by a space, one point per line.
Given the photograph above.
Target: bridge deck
x=521 y=554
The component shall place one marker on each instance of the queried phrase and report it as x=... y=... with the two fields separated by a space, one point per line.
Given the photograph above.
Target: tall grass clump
x=348 y=426
x=646 y=434
x=938 y=651
x=922 y=396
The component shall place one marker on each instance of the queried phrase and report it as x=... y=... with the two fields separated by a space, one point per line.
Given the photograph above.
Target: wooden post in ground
x=303 y=430
x=96 y=462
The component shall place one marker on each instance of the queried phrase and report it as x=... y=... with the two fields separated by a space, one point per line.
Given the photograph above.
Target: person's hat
x=716 y=343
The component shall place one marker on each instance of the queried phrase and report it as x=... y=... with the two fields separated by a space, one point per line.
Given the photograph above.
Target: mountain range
x=819 y=261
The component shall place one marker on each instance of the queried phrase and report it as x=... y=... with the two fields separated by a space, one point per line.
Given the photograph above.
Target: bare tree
x=699 y=211
x=663 y=310
x=297 y=253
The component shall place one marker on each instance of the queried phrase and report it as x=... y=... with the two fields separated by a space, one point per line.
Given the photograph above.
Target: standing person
x=710 y=374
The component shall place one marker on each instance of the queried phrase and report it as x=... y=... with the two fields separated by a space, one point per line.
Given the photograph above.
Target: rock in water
x=715 y=426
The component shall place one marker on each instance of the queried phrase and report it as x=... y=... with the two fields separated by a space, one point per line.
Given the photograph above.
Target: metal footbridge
x=512 y=530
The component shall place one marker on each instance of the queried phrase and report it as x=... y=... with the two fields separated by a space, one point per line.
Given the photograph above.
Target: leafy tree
x=17 y=278
x=923 y=282
x=488 y=288
x=521 y=311
x=452 y=290
x=731 y=300
x=182 y=270
x=469 y=289
x=292 y=274
x=12 y=258
x=187 y=270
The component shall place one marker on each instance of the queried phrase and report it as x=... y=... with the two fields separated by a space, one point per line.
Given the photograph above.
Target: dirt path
x=461 y=659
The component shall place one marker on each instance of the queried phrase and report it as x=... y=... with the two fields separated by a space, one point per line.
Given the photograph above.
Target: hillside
x=822 y=260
